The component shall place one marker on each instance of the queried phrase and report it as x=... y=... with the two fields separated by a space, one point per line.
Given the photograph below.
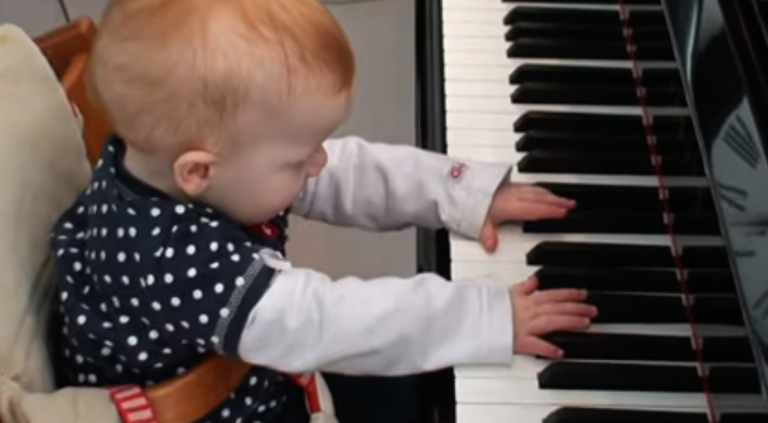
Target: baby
x=221 y=111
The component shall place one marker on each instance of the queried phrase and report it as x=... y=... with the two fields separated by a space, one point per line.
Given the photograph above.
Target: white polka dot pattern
x=150 y=286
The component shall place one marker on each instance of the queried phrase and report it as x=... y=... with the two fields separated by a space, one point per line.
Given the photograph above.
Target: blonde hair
x=173 y=73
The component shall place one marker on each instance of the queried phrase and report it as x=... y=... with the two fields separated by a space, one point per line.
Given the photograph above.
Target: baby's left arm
x=383 y=187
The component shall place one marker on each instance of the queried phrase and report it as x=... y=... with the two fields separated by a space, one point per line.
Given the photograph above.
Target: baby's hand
x=519 y=203
x=536 y=313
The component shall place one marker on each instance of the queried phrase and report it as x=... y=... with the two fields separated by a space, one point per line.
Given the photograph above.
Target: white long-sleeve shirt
x=149 y=282
x=307 y=321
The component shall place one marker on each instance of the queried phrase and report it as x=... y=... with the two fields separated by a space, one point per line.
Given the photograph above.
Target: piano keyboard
x=549 y=86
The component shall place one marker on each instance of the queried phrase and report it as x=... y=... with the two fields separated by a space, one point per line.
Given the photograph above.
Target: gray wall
x=35 y=16
x=382 y=33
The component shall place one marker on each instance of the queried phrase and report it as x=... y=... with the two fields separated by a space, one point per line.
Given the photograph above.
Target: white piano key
x=503 y=104
x=463 y=88
x=506 y=121
x=486 y=151
x=459 y=51
x=499 y=8
x=481 y=137
x=527 y=393
x=494 y=121
x=480 y=58
x=467 y=88
x=502 y=413
x=492 y=45
x=471 y=16
x=489 y=120
x=514 y=244
x=510 y=272
x=492 y=49
x=515 y=413
x=476 y=73
x=528 y=368
x=472 y=29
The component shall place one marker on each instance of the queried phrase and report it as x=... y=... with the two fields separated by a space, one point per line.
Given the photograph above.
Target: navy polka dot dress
x=150 y=286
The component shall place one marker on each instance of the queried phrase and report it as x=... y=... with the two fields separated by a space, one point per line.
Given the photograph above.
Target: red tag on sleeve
x=457 y=171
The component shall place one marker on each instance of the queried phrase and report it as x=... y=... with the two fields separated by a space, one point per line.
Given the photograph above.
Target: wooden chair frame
x=68 y=49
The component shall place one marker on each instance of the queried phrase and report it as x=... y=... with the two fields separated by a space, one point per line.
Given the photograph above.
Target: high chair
x=45 y=113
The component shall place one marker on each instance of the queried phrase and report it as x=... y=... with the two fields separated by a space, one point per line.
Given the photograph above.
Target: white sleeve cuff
x=474 y=194
x=495 y=344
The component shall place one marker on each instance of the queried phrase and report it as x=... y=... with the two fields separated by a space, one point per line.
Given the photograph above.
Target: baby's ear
x=193 y=171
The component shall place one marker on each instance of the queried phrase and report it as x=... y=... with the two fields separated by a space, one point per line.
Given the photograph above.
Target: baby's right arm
x=211 y=286
x=385 y=326
x=394 y=326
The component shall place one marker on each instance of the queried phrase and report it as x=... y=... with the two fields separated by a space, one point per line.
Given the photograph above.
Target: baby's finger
x=559 y=295
x=526 y=287
x=532 y=345
x=541 y=195
x=557 y=322
x=532 y=210
x=571 y=308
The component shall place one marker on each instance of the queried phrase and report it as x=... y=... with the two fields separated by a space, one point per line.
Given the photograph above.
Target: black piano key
x=585 y=254
x=601 y=124
x=727 y=349
x=572 y=74
x=604 y=415
x=609 y=164
x=663 y=281
x=576 y=75
x=618 y=308
x=562 y=16
x=626 y=222
x=695 y=223
x=742 y=418
x=705 y=257
x=548 y=93
x=617 y=142
x=661 y=78
x=734 y=380
x=625 y=347
x=535 y=48
x=633 y=198
x=579 y=32
x=654 y=378
x=587 y=18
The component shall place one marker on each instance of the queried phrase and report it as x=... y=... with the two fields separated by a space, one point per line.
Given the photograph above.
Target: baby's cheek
x=289 y=199
x=282 y=195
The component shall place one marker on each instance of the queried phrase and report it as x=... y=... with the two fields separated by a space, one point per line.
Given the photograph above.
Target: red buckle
x=267 y=229
x=309 y=384
x=132 y=405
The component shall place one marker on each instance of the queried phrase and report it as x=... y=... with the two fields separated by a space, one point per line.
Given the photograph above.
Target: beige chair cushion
x=43 y=166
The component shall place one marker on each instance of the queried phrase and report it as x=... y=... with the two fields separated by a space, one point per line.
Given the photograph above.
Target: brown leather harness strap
x=184 y=399
x=191 y=396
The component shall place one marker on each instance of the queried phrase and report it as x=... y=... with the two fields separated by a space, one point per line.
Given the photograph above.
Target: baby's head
x=224 y=101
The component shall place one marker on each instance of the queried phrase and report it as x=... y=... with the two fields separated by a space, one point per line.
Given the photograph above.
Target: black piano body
x=721 y=48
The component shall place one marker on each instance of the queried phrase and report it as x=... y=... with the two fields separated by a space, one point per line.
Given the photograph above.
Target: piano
x=652 y=115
